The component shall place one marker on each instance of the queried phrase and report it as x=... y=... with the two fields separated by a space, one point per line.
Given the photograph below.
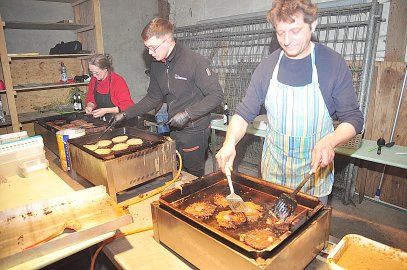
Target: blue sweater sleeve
x=334 y=77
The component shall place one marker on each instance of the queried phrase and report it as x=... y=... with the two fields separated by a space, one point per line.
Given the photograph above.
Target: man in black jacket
x=184 y=80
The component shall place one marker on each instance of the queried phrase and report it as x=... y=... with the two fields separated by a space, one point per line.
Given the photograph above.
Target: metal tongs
x=286 y=204
x=110 y=124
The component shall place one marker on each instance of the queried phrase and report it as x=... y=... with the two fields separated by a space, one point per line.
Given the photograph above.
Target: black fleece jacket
x=186 y=82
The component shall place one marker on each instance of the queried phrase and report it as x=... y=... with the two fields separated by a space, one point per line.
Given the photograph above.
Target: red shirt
x=119 y=91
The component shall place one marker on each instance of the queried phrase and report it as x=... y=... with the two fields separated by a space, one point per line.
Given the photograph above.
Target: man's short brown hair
x=157 y=27
x=284 y=10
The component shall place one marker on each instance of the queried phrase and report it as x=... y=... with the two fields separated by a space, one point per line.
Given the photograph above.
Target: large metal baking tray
x=250 y=189
x=149 y=140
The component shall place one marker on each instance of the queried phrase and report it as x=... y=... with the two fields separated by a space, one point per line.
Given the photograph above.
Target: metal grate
x=236 y=46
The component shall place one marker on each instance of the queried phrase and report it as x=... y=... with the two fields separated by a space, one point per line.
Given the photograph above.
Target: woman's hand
x=100 y=112
x=89 y=108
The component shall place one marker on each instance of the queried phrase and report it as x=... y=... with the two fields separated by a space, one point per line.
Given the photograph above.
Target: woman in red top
x=108 y=92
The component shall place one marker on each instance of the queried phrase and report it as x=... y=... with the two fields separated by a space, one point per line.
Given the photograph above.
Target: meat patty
x=220 y=200
x=66 y=126
x=79 y=122
x=254 y=213
x=280 y=226
x=59 y=122
x=201 y=209
x=230 y=220
x=259 y=238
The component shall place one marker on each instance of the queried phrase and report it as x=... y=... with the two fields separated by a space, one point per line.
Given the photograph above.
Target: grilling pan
x=149 y=140
x=251 y=189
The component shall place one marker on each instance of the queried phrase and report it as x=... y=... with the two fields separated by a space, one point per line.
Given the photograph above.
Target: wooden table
x=141 y=251
x=16 y=191
x=394 y=156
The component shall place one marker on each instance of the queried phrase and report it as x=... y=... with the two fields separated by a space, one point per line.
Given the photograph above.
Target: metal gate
x=236 y=46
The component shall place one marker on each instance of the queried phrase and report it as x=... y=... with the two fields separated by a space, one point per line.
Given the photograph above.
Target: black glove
x=118 y=117
x=179 y=120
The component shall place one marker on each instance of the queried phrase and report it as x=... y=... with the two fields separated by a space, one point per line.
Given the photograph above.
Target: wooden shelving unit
x=27 y=84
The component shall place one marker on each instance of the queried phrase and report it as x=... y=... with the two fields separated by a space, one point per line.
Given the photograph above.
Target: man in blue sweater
x=303 y=85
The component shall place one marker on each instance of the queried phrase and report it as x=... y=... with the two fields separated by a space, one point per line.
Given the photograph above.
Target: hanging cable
x=158 y=190
x=109 y=240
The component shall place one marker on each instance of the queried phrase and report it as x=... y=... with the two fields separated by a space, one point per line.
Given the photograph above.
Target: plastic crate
x=353 y=143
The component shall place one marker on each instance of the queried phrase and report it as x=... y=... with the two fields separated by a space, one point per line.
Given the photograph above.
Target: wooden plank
x=28 y=117
x=97 y=21
x=43 y=70
x=8 y=81
x=396 y=39
x=36 y=55
x=385 y=93
x=20 y=227
x=43 y=26
x=30 y=87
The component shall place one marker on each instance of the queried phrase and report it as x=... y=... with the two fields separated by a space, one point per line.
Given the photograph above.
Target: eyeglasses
x=154 y=49
x=94 y=73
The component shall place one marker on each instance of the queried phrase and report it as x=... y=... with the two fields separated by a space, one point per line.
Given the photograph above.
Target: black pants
x=193 y=147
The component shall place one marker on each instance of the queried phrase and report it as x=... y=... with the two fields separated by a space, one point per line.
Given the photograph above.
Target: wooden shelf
x=33 y=55
x=34 y=72
x=46 y=86
x=60 y=1
x=32 y=87
x=43 y=26
x=28 y=117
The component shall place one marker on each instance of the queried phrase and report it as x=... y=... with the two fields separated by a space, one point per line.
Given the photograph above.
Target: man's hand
x=225 y=157
x=179 y=120
x=118 y=117
x=323 y=153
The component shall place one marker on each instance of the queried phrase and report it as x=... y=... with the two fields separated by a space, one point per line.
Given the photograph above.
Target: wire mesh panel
x=236 y=46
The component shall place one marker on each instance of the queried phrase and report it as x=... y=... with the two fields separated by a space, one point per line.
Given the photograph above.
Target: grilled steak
x=201 y=209
x=259 y=238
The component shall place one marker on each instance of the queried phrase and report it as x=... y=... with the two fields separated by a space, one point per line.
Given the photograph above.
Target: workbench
x=137 y=251
x=16 y=191
x=141 y=251
x=394 y=156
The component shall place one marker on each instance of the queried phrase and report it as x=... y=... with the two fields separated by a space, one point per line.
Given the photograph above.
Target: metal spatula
x=110 y=124
x=286 y=204
x=236 y=202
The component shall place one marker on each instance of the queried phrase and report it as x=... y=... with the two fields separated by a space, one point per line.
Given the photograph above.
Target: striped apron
x=298 y=119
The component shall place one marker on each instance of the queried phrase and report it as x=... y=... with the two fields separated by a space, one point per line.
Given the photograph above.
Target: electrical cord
x=160 y=189
x=118 y=235
x=109 y=240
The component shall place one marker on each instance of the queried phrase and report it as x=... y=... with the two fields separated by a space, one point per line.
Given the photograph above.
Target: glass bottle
x=64 y=73
x=225 y=114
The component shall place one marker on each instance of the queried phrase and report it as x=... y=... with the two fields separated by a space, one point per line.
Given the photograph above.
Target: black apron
x=104 y=100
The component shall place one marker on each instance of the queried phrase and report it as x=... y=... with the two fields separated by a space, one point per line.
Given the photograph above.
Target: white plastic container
x=11 y=166
x=34 y=167
x=14 y=153
x=355 y=252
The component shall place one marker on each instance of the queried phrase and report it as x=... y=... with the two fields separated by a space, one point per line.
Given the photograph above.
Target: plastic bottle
x=64 y=73
x=225 y=114
x=79 y=102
